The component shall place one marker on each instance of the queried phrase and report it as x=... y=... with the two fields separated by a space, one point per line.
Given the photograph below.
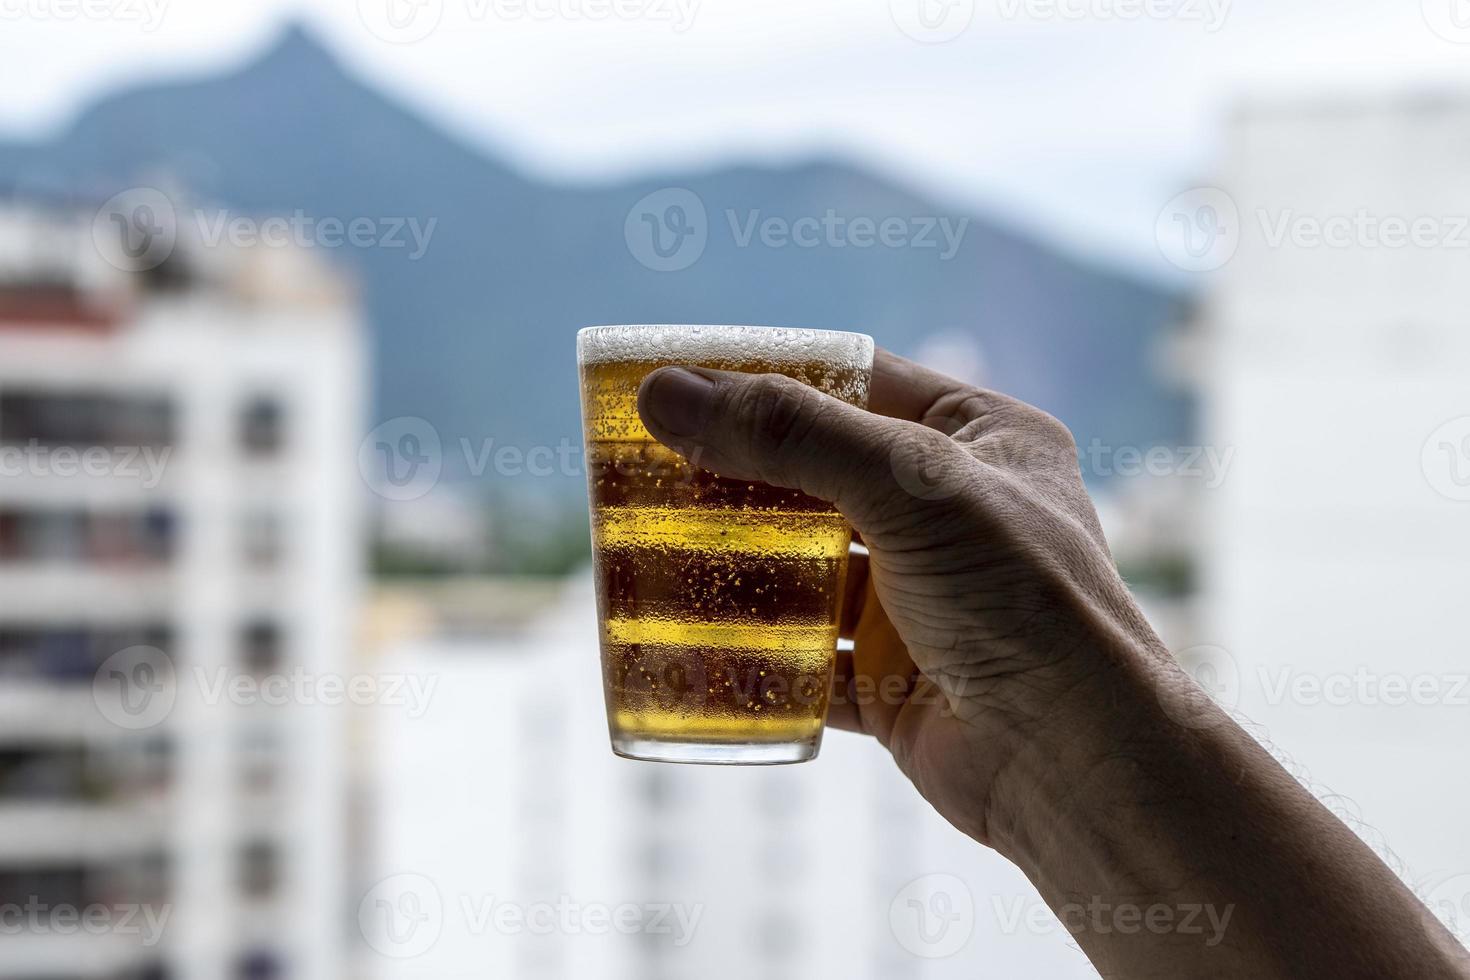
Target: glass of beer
x=717 y=598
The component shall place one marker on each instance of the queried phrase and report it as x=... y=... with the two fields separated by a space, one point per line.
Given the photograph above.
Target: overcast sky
x=1082 y=125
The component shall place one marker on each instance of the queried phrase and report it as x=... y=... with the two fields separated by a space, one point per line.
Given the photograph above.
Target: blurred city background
x=298 y=657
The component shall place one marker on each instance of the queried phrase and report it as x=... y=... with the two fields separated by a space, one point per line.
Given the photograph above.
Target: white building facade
x=178 y=538
x=1334 y=359
x=510 y=842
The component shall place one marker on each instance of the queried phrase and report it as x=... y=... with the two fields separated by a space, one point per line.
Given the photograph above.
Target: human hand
x=989 y=604
x=1000 y=658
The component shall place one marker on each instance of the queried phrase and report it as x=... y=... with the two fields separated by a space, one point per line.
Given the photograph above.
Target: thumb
x=776 y=430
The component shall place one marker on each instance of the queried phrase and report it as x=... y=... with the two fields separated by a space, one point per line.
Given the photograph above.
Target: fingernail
x=677 y=400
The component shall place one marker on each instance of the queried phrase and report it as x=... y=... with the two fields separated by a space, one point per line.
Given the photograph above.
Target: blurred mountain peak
x=475 y=275
x=296 y=50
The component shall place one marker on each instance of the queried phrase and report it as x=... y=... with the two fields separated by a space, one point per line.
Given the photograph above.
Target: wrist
x=1082 y=750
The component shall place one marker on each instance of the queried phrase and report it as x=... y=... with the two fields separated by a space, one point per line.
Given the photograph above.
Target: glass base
x=717 y=754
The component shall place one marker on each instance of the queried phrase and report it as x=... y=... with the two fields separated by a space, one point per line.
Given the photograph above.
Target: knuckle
x=1030 y=441
x=1058 y=434
x=928 y=466
x=1048 y=435
x=958 y=411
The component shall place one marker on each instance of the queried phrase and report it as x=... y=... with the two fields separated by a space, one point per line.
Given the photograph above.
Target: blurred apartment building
x=507 y=839
x=176 y=511
x=1333 y=353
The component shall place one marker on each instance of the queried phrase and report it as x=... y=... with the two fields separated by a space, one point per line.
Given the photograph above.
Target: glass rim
x=687 y=339
x=731 y=327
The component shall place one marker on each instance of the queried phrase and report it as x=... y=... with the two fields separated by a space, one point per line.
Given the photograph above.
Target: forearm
x=1038 y=713
x=1176 y=849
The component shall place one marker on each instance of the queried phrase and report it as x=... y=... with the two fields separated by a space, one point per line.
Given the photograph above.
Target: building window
x=71 y=654
x=260 y=870
x=259 y=752
x=262 y=538
x=43 y=773
x=260 y=964
x=104 y=537
x=262 y=426
x=86 y=419
x=260 y=647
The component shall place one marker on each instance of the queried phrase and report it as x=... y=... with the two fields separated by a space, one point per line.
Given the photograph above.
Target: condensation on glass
x=717 y=598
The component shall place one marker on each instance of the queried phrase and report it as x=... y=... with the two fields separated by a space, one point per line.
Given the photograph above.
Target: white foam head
x=724 y=343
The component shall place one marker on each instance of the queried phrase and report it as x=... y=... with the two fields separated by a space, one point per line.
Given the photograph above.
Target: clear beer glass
x=717 y=598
